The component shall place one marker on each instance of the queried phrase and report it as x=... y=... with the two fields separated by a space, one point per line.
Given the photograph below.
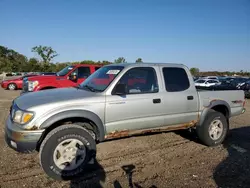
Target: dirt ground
x=173 y=159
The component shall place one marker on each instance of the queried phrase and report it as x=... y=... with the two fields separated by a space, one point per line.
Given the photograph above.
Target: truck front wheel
x=12 y=86
x=65 y=151
x=214 y=129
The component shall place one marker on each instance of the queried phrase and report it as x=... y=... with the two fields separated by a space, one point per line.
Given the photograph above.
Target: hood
x=44 y=77
x=43 y=97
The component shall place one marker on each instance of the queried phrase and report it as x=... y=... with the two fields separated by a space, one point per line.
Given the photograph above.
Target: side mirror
x=120 y=89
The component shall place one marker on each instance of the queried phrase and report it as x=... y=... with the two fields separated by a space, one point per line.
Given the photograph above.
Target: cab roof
x=147 y=64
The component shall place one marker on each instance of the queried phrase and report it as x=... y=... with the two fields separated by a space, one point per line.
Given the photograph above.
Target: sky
x=208 y=34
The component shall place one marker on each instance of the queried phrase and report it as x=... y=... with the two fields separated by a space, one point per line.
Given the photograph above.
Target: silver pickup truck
x=118 y=100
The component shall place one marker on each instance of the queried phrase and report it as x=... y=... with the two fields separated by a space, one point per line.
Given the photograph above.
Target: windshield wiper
x=92 y=88
x=77 y=87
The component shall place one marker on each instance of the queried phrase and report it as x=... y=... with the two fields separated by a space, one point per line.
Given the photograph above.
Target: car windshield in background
x=65 y=71
x=100 y=80
x=200 y=81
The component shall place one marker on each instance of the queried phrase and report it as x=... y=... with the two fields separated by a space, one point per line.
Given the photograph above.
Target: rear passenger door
x=180 y=98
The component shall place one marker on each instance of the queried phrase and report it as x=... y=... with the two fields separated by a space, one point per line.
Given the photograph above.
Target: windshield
x=100 y=79
x=65 y=71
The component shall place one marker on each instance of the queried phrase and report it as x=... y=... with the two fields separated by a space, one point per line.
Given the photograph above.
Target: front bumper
x=3 y=85
x=24 y=141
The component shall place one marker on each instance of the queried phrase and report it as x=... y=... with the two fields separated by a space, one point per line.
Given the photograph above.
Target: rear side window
x=83 y=72
x=200 y=81
x=212 y=81
x=176 y=79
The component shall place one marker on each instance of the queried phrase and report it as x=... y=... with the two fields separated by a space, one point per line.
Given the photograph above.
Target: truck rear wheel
x=65 y=151
x=214 y=129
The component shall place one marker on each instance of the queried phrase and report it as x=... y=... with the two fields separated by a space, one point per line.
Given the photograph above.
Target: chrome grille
x=25 y=85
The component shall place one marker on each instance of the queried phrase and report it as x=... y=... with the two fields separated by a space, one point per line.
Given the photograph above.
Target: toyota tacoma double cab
x=70 y=76
x=119 y=100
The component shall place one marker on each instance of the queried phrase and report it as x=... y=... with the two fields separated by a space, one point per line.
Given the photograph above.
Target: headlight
x=22 y=117
x=32 y=85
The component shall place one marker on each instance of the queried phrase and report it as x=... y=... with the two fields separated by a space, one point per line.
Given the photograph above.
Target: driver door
x=81 y=73
x=140 y=107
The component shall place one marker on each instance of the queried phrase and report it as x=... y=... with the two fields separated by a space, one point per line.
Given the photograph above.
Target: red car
x=70 y=76
x=16 y=83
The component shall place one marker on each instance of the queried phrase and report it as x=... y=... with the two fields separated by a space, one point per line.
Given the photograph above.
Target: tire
x=88 y=127
x=204 y=131
x=54 y=144
x=12 y=86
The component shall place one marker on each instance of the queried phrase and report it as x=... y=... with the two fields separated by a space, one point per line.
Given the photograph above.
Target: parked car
x=246 y=88
x=211 y=77
x=196 y=78
x=206 y=82
x=224 y=85
x=70 y=76
x=117 y=100
x=13 y=84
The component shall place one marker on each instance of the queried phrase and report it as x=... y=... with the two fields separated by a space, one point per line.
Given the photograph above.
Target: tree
x=10 y=60
x=45 y=52
x=195 y=71
x=139 y=60
x=120 y=60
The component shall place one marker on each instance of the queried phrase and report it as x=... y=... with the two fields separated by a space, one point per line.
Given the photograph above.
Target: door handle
x=190 y=97
x=156 y=100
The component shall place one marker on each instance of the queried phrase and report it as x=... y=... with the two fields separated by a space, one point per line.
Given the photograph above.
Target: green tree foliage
x=120 y=60
x=12 y=61
x=46 y=53
x=139 y=60
x=194 y=71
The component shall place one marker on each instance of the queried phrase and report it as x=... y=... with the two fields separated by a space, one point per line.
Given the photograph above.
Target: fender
x=76 y=113
x=212 y=104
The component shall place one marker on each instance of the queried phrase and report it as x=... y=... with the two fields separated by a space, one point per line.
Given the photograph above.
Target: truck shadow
x=190 y=135
x=93 y=176
x=129 y=170
x=234 y=171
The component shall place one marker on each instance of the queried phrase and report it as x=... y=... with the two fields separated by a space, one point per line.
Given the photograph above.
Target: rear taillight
x=244 y=103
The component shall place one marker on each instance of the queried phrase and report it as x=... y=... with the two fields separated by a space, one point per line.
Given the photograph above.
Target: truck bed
x=234 y=98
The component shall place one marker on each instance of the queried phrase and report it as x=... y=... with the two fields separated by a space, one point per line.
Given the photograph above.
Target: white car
x=206 y=82
x=211 y=78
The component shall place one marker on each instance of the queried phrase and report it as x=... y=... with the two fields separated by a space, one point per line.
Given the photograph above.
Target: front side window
x=65 y=71
x=176 y=79
x=101 y=79
x=140 y=80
